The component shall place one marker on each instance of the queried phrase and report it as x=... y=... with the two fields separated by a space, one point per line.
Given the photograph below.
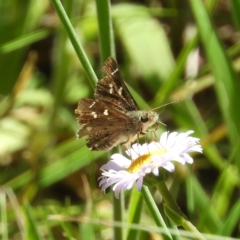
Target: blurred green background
x=166 y=50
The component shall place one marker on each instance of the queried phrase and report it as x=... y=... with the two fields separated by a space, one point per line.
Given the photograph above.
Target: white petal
x=196 y=148
x=187 y=158
x=155 y=171
x=139 y=184
x=163 y=139
x=134 y=151
x=120 y=159
x=154 y=146
x=169 y=166
x=147 y=169
x=171 y=141
x=179 y=159
x=117 y=163
x=144 y=149
x=116 y=192
x=189 y=132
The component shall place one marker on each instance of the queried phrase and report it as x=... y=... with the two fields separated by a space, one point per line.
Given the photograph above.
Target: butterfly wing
x=105 y=126
x=112 y=90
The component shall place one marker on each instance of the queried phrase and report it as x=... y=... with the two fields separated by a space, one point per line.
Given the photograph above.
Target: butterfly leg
x=138 y=136
x=153 y=132
x=125 y=145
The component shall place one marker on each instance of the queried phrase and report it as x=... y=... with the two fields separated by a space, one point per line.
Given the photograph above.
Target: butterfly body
x=113 y=118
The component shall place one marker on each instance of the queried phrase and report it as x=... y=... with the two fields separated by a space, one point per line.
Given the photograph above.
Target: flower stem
x=161 y=186
x=155 y=212
x=118 y=209
x=173 y=211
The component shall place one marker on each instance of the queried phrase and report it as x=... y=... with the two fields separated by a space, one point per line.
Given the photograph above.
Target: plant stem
x=75 y=42
x=106 y=36
x=155 y=212
x=173 y=211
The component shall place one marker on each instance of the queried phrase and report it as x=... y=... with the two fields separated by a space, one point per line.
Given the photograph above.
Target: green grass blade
x=32 y=231
x=208 y=213
x=56 y=171
x=138 y=30
x=232 y=220
x=3 y=208
x=170 y=84
x=75 y=42
x=106 y=36
x=24 y=40
x=87 y=231
x=227 y=82
x=236 y=12
x=224 y=189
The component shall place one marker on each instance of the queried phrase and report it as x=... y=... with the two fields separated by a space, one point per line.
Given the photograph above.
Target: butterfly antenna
x=161 y=122
x=177 y=101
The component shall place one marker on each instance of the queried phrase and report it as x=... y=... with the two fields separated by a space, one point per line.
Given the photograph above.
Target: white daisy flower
x=122 y=172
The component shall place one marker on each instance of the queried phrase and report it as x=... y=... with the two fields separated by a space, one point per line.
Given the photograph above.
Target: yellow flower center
x=144 y=159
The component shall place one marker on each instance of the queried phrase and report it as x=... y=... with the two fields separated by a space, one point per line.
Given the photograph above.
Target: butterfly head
x=147 y=118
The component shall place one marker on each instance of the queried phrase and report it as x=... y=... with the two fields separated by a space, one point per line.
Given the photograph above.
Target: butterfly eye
x=144 y=119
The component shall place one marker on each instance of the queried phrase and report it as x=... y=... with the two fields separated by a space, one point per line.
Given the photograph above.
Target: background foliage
x=166 y=50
